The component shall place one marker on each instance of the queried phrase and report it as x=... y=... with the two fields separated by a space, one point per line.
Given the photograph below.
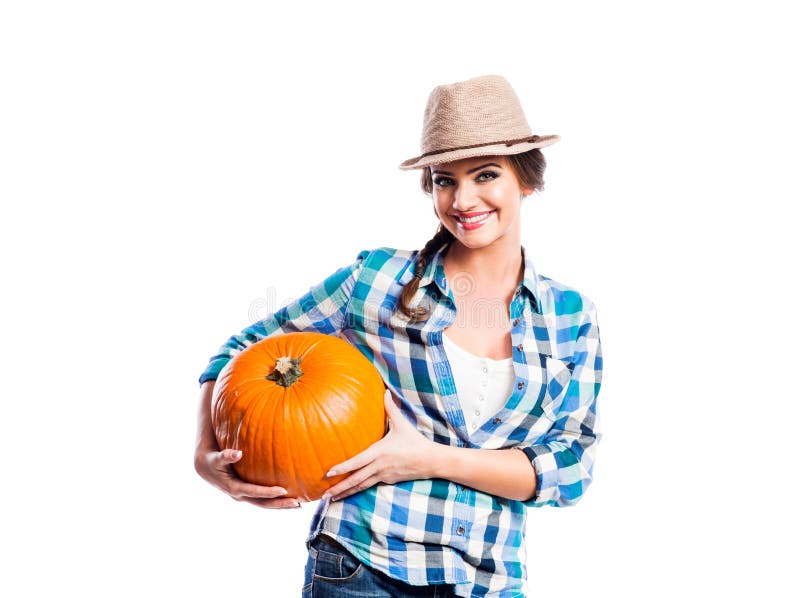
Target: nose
x=464 y=197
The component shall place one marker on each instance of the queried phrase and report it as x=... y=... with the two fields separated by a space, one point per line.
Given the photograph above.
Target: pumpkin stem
x=286 y=372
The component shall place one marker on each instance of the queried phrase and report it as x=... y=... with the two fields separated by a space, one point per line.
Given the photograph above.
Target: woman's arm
x=405 y=454
x=321 y=309
x=502 y=472
x=564 y=458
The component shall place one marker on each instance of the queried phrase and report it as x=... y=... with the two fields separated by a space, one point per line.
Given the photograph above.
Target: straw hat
x=476 y=117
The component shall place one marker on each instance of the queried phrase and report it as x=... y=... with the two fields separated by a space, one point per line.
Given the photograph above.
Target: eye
x=442 y=181
x=487 y=175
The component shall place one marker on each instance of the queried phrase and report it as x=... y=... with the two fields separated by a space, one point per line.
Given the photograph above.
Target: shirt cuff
x=213 y=370
x=558 y=478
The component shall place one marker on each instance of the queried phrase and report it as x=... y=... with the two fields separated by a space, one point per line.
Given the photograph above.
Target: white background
x=168 y=169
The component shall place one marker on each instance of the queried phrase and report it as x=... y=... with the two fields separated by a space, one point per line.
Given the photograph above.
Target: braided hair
x=439 y=240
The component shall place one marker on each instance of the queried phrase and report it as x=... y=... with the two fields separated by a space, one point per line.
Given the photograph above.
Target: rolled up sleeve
x=322 y=309
x=564 y=460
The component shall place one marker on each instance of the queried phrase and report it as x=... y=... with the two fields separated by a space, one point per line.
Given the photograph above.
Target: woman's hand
x=403 y=454
x=215 y=467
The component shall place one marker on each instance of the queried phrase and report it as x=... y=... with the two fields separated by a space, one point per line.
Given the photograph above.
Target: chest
x=482 y=326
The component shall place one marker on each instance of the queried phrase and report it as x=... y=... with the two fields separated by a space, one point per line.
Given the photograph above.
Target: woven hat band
x=531 y=139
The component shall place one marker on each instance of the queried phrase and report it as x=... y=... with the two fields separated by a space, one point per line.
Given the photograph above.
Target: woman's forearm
x=503 y=472
x=205 y=431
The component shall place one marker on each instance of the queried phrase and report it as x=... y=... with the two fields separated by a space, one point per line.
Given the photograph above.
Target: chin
x=475 y=241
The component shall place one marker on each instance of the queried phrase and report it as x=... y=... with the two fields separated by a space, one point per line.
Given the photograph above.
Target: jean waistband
x=328 y=540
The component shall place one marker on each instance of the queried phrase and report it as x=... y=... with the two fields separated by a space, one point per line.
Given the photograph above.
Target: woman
x=479 y=355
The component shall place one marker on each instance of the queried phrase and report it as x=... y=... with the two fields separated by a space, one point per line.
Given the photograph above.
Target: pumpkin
x=297 y=404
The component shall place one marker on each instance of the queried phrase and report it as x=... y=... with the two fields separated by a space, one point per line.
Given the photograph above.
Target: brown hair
x=528 y=167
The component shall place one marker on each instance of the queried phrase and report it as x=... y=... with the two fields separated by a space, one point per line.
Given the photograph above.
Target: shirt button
x=516 y=322
x=477 y=412
x=519 y=347
x=460 y=531
x=485 y=370
x=520 y=384
x=480 y=397
x=474 y=426
x=518 y=291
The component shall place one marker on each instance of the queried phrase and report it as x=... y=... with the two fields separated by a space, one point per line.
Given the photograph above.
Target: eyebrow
x=471 y=170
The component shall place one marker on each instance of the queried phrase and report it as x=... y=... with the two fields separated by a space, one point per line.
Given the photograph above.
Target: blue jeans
x=332 y=572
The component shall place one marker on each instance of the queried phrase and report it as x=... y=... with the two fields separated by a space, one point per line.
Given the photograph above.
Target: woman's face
x=478 y=200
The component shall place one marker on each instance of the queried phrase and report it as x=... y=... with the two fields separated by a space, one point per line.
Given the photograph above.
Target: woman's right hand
x=216 y=466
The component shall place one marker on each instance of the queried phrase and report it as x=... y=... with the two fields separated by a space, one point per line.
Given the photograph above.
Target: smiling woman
x=486 y=415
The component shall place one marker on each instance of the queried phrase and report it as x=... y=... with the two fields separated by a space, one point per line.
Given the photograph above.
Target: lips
x=471 y=214
x=472 y=220
x=465 y=217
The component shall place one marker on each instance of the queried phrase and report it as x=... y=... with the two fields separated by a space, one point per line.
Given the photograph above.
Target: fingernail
x=296 y=505
x=326 y=496
x=237 y=453
x=283 y=491
x=331 y=473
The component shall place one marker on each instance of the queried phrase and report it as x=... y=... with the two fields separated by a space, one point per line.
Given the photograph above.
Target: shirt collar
x=434 y=272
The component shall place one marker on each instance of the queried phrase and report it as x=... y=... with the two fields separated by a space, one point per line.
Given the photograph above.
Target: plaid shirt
x=436 y=531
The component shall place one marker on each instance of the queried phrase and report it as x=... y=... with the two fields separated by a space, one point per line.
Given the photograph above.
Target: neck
x=496 y=264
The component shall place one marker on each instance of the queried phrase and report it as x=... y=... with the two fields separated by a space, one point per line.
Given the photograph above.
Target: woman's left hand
x=402 y=454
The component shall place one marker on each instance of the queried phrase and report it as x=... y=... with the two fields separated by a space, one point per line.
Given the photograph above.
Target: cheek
x=439 y=205
x=507 y=196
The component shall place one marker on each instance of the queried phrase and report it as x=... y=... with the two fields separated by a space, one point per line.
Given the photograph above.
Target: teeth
x=474 y=218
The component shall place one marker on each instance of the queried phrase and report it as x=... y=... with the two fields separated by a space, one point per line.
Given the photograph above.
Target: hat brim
x=497 y=149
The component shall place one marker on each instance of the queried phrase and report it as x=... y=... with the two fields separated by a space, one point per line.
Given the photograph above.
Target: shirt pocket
x=557 y=374
x=530 y=413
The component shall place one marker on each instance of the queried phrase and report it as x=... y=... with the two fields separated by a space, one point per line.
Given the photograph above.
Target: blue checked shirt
x=435 y=531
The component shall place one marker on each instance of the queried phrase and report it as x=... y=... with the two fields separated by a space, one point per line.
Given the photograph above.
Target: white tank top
x=483 y=385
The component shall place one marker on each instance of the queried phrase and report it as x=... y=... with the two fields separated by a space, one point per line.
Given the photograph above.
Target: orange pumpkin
x=297 y=404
